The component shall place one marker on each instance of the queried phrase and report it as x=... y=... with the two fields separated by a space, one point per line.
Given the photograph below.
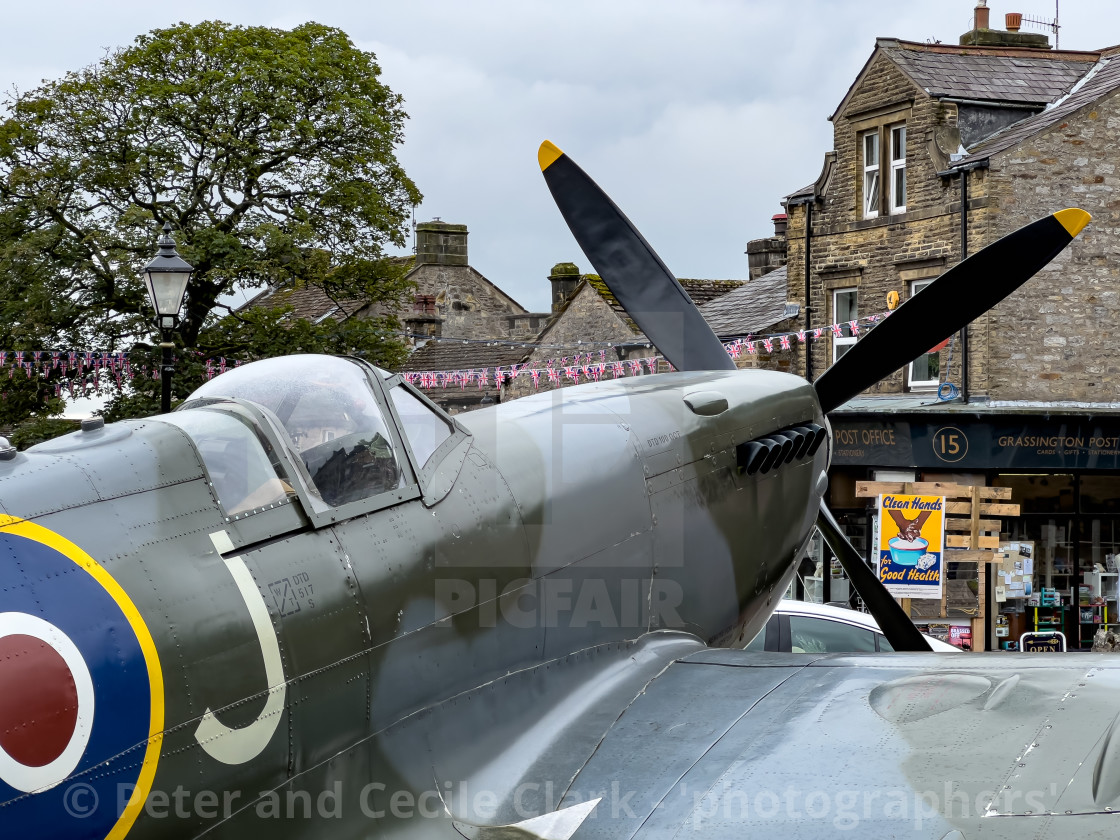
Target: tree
x=270 y=152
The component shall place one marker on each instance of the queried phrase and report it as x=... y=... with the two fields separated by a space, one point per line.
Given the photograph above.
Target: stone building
x=758 y=307
x=462 y=321
x=465 y=326
x=469 y=335
x=589 y=323
x=1023 y=131
x=939 y=151
x=766 y=255
x=586 y=327
x=454 y=299
x=473 y=327
x=312 y=302
x=885 y=213
x=450 y=299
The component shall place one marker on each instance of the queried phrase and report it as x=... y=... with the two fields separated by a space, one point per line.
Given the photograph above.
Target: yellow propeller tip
x=547 y=155
x=1073 y=220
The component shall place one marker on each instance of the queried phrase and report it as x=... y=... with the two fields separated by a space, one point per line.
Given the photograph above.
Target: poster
x=1016 y=564
x=911 y=544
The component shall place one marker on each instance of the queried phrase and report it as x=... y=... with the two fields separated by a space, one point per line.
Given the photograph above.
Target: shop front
x=1064 y=474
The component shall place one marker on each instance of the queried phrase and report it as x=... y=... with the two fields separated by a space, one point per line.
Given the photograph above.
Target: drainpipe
x=964 y=256
x=808 y=303
x=963 y=171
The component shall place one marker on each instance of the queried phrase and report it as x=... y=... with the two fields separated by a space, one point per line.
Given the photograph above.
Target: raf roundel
x=81 y=691
x=46 y=709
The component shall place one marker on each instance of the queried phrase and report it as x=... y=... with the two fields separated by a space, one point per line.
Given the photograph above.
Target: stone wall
x=469 y=305
x=887 y=253
x=466 y=304
x=581 y=327
x=765 y=255
x=886 y=96
x=1053 y=339
x=1056 y=337
x=785 y=361
x=441 y=243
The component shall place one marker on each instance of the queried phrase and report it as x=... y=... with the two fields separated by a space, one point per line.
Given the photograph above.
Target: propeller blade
x=633 y=272
x=949 y=303
x=895 y=624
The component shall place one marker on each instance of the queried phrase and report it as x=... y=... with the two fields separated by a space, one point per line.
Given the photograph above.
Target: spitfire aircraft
x=310 y=604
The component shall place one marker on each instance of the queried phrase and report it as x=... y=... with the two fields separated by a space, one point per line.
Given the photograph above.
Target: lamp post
x=166 y=277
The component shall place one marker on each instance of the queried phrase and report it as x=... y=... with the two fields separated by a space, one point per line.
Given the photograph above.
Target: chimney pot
x=780 y=221
x=982 y=11
x=1013 y=20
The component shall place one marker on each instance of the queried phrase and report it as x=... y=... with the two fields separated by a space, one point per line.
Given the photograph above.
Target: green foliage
x=270 y=152
x=264 y=333
x=22 y=396
x=38 y=429
x=253 y=334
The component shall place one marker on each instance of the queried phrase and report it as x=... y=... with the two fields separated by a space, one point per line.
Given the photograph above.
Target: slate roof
x=1017 y=75
x=805 y=192
x=456 y=355
x=1098 y=82
x=700 y=291
x=751 y=308
x=1028 y=76
x=309 y=302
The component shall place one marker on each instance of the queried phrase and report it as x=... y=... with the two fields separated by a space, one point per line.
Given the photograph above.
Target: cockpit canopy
x=333 y=419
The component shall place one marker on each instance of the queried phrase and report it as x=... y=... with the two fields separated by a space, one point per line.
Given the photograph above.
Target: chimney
x=981 y=15
x=441 y=243
x=982 y=36
x=564 y=278
x=765 y=255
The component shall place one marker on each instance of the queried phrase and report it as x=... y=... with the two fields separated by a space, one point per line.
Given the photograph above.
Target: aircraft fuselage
x=276 y=651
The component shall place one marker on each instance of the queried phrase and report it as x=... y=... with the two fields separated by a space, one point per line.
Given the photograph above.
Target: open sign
x=1049 y=642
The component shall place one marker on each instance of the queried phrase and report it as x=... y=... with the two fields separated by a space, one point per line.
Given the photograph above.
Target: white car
x=803 y=627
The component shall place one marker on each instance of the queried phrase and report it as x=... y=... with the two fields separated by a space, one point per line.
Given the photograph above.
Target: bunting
x=75 y=372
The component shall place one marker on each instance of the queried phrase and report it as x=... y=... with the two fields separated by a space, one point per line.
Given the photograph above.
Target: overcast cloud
x=697 y=116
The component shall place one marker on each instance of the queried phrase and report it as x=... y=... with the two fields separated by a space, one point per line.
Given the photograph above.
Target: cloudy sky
x=697 y=116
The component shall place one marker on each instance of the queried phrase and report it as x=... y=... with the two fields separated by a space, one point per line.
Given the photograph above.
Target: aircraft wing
x=730 y=743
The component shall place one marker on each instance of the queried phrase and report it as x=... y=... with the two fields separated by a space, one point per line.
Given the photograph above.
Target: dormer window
x=871 y=174
x=883 y=150
x=898 y=168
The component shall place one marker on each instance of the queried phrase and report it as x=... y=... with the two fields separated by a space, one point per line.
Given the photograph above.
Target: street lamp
x=166 y=277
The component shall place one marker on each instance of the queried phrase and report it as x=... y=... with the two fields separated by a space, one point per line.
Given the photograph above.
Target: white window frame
x=841 y=344
x=898 y=167
x=871 y=174
x=920 y=363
